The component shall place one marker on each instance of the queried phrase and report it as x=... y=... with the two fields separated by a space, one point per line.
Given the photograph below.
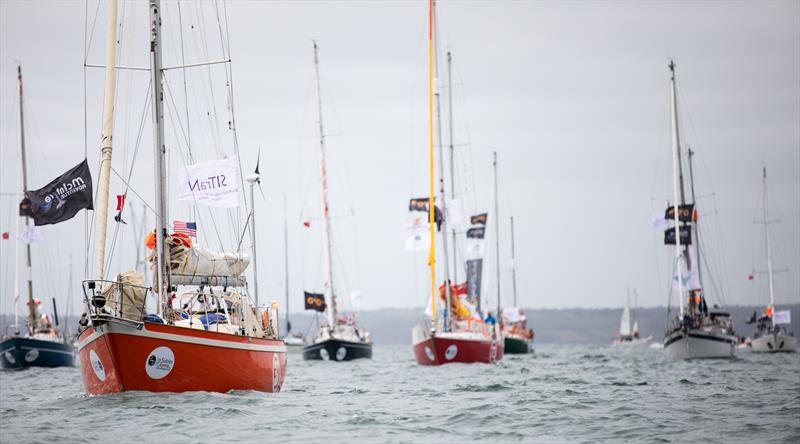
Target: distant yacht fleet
x=198 y=323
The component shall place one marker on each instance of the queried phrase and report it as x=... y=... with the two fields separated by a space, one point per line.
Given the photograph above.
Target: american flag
x=189 y=228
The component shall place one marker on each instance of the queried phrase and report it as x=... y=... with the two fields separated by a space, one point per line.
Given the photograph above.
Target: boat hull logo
x=341 y=353
x=10 y=357
x=31 y=355
x=276 y=373
x=493 y=352
x=451 y=352
x=324 y=354
x=97 y=365
x=429 y=353
x=159 y=363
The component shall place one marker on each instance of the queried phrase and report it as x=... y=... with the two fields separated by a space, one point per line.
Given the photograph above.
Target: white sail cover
x=625 y=322
x=511 y=314
x=198 y=261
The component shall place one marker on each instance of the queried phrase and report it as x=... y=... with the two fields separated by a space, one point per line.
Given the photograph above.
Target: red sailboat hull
x=440 y=349
x=120 y=356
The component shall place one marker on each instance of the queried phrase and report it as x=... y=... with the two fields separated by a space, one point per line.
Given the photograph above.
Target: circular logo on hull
x=97 y=365
x=159 y=363
x=429 y=353
x=324 y=354
x=276 y=373
x=341 y=353
x=31 y=355
x=451 y=352
x=10 y=357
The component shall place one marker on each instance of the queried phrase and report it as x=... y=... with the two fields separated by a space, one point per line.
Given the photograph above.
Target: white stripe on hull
x=770 y=343
x=118 y=328
x=689 y=347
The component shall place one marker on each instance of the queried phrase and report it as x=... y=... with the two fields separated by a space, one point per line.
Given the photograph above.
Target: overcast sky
x=573 y=96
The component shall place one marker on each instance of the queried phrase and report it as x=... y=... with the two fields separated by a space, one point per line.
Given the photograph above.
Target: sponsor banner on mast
x=685 y=213
x=479 y=219
x=474 y=271
x=62 y=198
x=214 y=183
x=314 y=301
x=476 y=232
x=686 y=236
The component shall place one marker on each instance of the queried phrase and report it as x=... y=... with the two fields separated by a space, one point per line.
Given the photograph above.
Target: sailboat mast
x=497 y=233
x=330 y=294
x=29 y=267
x=452 y=157
x=769 y=253
x=106 y=140
x=513 y=264
x=431 y=187
x=677 y=191
x=694 y=222
x=442 y=191
x=253 y=178
x=286 y=263
x=162 y=250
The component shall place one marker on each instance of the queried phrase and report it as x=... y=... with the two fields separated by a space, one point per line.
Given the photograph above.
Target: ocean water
x=557 y=394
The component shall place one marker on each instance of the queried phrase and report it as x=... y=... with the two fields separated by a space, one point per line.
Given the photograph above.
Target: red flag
x=120 y=201
x=5 y=235
x=307 y=223
x=750 y=277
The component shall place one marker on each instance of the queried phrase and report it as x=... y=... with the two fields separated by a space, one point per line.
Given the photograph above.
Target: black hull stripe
x=671 y=339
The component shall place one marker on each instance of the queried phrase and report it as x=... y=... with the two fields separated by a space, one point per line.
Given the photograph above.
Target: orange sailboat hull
x=120 y=356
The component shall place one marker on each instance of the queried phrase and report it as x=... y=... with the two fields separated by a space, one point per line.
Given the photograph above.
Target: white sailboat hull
x=699 y=344
x=774 y=343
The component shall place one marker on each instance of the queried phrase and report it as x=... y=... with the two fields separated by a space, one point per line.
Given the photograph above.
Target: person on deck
x=490 y=320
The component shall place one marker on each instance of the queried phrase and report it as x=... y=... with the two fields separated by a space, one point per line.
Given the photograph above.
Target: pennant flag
x=686 y=213
x=62 y=198
x=214 y=183
x=454 y=213
x=783 y=317
x=315 y=301
x=307 y=223
x=511 y=314
x=474 y=249
x=476 y=232
x=418 y=238
x=120 y=201
x=659 y=222
x=188 y=228
x=686 y=236
x=31 y=235
x=479 y=219
x=5 y=235
x=691 y=280
x=421 y=204
x=355 y=299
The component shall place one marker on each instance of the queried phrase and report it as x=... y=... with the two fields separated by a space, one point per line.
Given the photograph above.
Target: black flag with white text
x=62 y=198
